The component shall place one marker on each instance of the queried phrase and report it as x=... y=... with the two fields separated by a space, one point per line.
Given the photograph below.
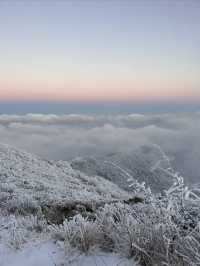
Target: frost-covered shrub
x=156 y=229
x=17 y=230
x=22 y=205
x=164 y=229
x=79 y=232
x=16 y=238
x=152 y=239
x=5 y=187
x=33 y=223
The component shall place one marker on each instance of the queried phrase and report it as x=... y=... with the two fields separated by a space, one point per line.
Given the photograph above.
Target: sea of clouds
x=63 y=137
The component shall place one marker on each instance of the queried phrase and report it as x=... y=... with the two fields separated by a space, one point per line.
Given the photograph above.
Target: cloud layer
x=67 y=136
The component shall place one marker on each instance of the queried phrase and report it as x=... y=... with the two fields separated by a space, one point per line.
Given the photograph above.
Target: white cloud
x=68 y=136
x=45 y=119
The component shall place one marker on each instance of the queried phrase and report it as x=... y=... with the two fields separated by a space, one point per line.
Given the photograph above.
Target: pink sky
x=100 y=51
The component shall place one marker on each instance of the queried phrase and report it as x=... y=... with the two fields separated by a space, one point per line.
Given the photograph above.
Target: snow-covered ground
x=137 y=163
x=31 y=182
x=54 y=215
x=46 y=254
x=49 y=254
x=28 y=185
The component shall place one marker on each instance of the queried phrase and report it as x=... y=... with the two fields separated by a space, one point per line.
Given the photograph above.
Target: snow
x=52 y=214
x=103 y=260
x=46 y=254
x=119 y=166
x=49 y=254
x=27 y=180
x=27 y=183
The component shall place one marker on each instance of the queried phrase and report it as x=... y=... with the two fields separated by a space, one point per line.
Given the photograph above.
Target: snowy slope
x=29 y=182
x=53 y=214
x=29 y=186
x=137 y=163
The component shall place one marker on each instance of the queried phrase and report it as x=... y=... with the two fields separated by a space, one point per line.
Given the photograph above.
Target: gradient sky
x=103 y=51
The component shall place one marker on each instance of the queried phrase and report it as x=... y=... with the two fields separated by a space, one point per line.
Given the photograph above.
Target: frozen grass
x=163 y=230
x=29 y=183
x=153 y=236
x=50 y=201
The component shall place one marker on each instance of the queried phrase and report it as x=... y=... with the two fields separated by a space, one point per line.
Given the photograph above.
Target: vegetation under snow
x=47 y=200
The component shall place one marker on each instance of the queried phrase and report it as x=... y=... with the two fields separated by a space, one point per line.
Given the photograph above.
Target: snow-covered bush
x=148 y=234
x=79 y=232
x=164 y=229
x=155 y=229
x=15 y=231
x=22 y=205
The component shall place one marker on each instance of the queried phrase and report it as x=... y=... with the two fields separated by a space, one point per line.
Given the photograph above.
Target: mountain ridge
x=28 y=182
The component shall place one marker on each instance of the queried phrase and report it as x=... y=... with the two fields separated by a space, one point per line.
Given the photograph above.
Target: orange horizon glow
x=107 y=87
x=113 y=85
x=109 y=95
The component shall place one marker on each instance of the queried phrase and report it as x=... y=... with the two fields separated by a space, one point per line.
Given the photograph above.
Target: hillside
x=52 y=214
x=29 y=183
x=36 y=194
x=118 y=167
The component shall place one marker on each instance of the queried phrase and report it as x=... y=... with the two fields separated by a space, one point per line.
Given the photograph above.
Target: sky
x=91 y=52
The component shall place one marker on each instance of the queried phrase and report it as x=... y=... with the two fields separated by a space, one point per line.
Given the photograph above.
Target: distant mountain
x=118 y=167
